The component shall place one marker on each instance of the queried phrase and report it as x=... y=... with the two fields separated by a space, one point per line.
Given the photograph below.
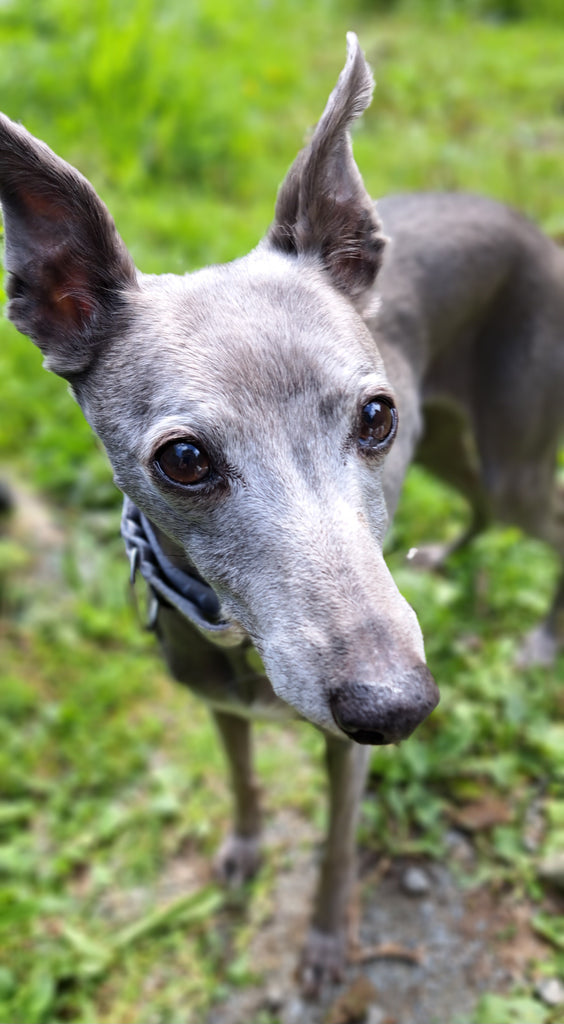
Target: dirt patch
x=458 y=944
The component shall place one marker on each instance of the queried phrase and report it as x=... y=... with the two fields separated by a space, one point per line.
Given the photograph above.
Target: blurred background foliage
x=185 y=116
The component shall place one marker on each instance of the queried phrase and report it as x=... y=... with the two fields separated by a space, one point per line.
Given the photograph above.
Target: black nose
x=386 y=712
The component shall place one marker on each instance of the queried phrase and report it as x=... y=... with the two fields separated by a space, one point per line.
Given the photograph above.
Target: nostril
x=369 y=737
x=344 y=719
x=359 y=735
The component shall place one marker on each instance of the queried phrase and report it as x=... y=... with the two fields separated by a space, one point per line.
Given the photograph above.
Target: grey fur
x=267 y=362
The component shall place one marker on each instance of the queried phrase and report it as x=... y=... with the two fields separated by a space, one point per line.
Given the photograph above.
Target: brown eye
x=378 y=423
x=183 y=462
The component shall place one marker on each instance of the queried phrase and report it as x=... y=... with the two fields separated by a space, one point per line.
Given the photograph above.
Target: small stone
x=295 y=1011
x=274 y=999
x=415 y=881
x=352 y=1005
x=376 y=1015
x=551 y=869
x=460 y=846
x=551 y=991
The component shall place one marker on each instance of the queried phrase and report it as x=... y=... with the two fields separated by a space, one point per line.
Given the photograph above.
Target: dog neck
x=172 y=586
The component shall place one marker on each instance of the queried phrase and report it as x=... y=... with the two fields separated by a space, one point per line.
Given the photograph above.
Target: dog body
x=262 y=415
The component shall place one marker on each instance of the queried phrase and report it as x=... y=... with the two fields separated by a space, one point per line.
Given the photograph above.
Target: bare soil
x=420 y=957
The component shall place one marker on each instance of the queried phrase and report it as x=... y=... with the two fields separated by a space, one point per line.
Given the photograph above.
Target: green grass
x=185 y=116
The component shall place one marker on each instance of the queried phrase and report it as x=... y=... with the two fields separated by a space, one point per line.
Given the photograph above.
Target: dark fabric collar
x=184 y=591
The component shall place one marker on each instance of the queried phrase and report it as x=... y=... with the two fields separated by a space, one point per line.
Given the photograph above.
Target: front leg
x=325 y=951
x=239 y=855
x=217 y=677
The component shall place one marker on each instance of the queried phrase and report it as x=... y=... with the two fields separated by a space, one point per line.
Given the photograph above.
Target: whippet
x=260 y=417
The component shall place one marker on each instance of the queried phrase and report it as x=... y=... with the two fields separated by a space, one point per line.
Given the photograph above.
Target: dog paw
x=237 y=860
x=539 y=648
x=322 y=961
x=428 y=556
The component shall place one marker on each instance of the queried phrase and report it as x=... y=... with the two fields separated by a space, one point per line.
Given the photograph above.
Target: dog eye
x=183 y=462
x=378 y=423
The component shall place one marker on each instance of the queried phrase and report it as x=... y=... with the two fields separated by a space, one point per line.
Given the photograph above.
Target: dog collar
x=191 y=596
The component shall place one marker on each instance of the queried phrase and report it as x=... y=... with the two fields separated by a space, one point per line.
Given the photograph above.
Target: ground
x=113 y=796
x=117 y=798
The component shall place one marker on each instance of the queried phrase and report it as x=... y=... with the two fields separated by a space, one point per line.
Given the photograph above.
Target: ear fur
x=67 y=266
x=323 y=208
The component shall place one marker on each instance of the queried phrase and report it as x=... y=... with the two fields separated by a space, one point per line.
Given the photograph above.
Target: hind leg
x=448 y=451
x=526 y=495
x=517 y=386
x=500 y=484
x=544 y=642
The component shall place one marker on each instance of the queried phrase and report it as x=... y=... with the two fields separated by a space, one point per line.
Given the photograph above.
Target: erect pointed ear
x=323 y=208
x=67 y=267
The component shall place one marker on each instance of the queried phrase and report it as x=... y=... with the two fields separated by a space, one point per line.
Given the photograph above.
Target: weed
x=186 y=116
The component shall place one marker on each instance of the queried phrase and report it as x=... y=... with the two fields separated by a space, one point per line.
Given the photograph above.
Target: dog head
x=245 y=409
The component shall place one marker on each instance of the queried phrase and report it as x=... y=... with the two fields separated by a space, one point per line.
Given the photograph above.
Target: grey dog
x=260 y=417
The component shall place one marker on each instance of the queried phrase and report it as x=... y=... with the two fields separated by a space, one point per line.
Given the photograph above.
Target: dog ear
x=323 y=207
x=67 y=266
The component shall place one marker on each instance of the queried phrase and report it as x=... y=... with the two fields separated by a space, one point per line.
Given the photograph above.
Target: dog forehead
x=256 y=340
x=262 y=321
